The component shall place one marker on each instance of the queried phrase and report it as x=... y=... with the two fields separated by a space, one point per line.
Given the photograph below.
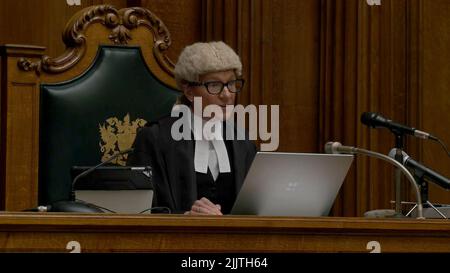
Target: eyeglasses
x=216 y=87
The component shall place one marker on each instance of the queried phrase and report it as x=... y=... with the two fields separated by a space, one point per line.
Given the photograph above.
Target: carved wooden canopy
x=119 y=22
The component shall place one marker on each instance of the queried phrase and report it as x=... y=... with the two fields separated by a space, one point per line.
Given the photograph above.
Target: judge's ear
x=187 y=90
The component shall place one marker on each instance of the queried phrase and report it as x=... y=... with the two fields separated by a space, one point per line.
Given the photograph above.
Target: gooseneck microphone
x=90 y=170
x=434 y=177
x=376 y=120
x=75 y=206
x=338 y=148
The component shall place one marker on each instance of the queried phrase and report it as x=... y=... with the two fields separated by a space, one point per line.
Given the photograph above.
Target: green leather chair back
x=87 y=119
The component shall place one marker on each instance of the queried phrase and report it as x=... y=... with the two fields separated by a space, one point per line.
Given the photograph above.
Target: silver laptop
x=292 y=184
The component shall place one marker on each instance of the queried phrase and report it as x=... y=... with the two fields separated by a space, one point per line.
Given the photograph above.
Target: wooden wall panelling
x=367 y=178
x=337 y=101
x=278 y=42
x=405 y=77
x=362 y=184
x=426 y=97
x=19 y=126
x=40 y=22
x=414 y=81
x=230 y=21
x=383 y=39
x=363 y=68
x=383 y=87
x=295 y=69
x=134 y=3
x=3 y=81
x=395 y=74
x=434 y=85
x=182 y=18
x=119 y=4
x=240 y=25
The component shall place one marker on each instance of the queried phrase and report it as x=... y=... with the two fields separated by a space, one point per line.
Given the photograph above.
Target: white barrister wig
x=202 y=58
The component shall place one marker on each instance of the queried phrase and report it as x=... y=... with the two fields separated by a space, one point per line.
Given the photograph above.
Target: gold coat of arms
x=118 y=135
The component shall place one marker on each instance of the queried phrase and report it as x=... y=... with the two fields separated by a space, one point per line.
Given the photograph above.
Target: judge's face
x=209 y=89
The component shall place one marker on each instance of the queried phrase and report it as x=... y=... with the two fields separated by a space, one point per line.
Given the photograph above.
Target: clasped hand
x=204 y=207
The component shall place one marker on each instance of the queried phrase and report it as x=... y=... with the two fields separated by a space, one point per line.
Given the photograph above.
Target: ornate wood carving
x=120 y=22
x=137 y=16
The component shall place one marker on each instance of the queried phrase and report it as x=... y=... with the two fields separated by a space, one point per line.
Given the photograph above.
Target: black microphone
x=435 y=177
x=90 y=170
x=74 y=206
x=376 y=120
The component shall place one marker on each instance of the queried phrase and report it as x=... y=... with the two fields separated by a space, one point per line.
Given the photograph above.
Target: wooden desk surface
x=52 y=232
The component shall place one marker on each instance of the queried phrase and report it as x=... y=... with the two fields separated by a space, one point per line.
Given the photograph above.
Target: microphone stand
x=424 y=194
x=402 y=169
x=353 y=150
x=398 y=176
x=420 y=173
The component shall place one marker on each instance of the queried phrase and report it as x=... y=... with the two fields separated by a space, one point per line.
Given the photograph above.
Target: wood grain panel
x=364 y=67
x=338 y=85
x=435 y=97
x=295 y=70
x=182 y=18
x=278 y=42
x=23 y=122
x=251 y=37
x=50 y=232
x=40 y=22
x=19 y=126
x=3 y=86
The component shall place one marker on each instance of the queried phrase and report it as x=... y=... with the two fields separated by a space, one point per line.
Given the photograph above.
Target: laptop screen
x=292 y=184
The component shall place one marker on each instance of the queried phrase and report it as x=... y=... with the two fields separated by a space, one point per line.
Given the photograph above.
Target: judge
x=198 y=176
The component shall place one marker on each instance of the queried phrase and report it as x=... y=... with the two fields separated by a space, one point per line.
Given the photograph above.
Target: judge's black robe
x=172 y=162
